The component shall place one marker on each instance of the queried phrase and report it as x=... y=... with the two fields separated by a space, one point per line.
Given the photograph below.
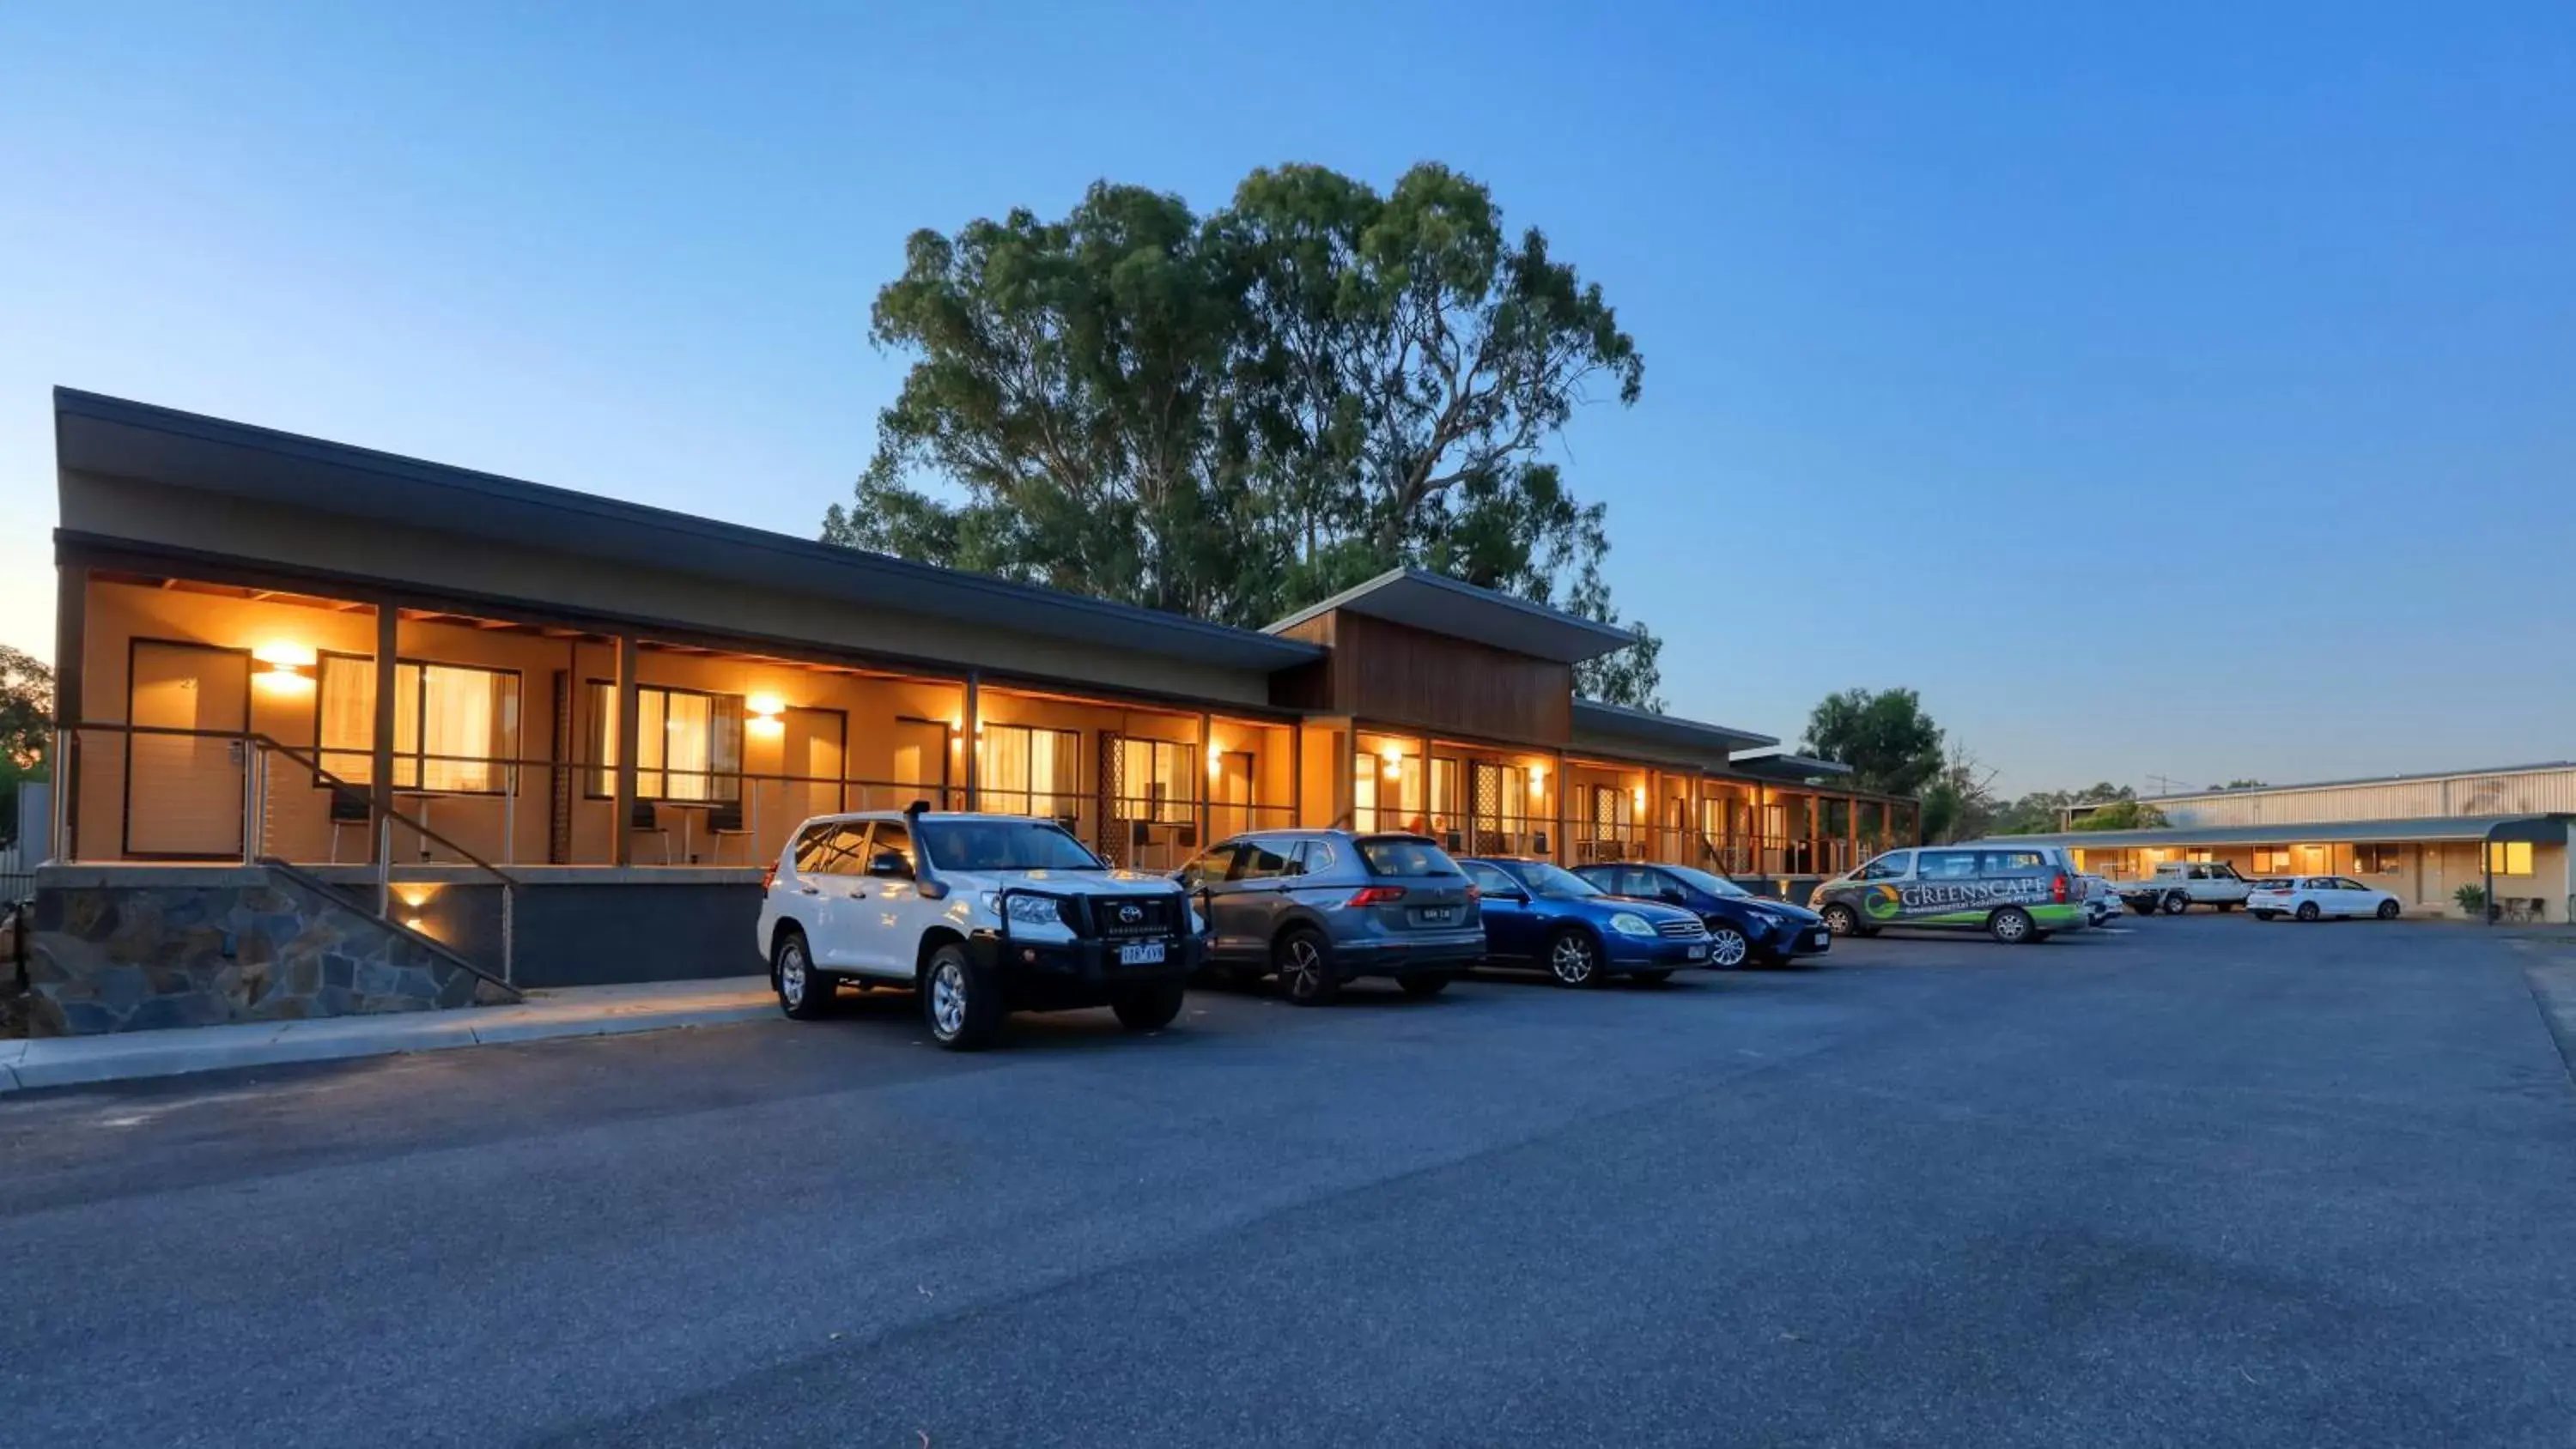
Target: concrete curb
x=599 y=1011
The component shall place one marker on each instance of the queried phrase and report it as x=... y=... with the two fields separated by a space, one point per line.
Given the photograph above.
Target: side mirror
x=1673 y=895
x=1518 y=898
x=887 y=865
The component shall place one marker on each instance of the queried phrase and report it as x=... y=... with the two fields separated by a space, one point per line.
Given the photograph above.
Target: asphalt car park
x=2192 y=1181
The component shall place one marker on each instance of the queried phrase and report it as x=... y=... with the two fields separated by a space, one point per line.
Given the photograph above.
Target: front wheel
x=1305 y=968
x=804 y=993
x=2225 y=906
x=2387 y=910
x=2307 y=911
x=963 y=1006
x=1841 y=919
x=2012 y=925
x=2177 y=903
x=1424 y=983
x=1573 y=959
x=1149 y=1008
x=1727 y=947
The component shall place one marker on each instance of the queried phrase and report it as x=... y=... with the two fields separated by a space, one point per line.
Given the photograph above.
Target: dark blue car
x=1537 y=914
x=1742 y=926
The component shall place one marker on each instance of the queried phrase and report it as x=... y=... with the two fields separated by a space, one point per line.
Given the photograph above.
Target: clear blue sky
x=2169 y=389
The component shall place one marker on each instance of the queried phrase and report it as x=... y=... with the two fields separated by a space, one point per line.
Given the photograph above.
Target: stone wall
x=133 y=950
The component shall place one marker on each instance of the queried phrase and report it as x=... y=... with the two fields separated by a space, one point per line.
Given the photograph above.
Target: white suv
x=983 y=914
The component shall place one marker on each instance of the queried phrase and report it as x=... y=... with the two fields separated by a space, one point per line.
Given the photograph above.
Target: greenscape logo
x=1882 y=903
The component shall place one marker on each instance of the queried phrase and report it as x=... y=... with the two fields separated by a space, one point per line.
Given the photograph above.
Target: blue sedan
x=1537 y=914
x=1742 y=926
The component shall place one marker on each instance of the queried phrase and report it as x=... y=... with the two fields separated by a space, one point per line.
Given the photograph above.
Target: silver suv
x=1320 y=907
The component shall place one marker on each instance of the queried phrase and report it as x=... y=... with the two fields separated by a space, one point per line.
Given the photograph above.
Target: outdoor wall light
x=765 y=711
x=1641 y=797
x=285 y=666
x=1538 y=777
x=1393 y=756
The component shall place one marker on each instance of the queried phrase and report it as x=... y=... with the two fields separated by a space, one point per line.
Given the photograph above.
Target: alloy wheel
x=948 y=998
x=1571 y=960
x=1303 y=970
x=1727 y=948
x=791 y=974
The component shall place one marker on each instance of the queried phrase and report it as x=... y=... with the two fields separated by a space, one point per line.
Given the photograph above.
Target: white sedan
x=2314 y=897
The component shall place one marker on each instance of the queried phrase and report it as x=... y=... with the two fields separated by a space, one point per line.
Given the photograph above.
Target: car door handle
x=809 y=890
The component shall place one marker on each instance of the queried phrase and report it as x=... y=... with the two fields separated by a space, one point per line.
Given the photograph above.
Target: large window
x=688 y=743
x=1158 y=780
x=1029 y=771
x=455 y=725
x=2509 y=857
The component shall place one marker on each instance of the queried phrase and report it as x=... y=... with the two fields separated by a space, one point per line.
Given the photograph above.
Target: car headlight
x=1027 y=910
x=1629 y=923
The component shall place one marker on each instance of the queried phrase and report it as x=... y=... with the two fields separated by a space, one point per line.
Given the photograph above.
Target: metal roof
x=1438 y=604
x=2365 y=780
x=1662 y=729
x=106 y=435
x=2536 y=828
x=1781 y=765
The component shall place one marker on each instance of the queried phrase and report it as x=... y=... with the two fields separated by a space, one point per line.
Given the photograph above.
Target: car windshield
x=1004 y=845
x=1716 y=885
x=1405 y=855
x=1552 y=883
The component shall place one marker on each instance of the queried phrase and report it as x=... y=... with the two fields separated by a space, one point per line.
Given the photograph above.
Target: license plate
x=1696 y=953
x=1141 y=953
x=1440 y=917
x=1820 y=938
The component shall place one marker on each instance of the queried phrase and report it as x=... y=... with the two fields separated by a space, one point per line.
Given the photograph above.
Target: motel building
x=342 y=731
x=2418 y=837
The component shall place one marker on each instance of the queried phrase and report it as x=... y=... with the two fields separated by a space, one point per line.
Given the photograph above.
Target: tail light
x=1376 y=895
x=2057 y=889
x=768 y=877
x=1474 y=894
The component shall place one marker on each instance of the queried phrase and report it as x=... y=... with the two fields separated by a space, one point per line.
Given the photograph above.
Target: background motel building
x=345 y=731
x=2418 y=837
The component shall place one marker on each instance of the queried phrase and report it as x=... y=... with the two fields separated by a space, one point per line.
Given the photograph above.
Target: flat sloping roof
x=1784 y=766
x=116 y=437
x=2536 y=828
x=2531 y=769
x=1663 y=729
x=1438 y=604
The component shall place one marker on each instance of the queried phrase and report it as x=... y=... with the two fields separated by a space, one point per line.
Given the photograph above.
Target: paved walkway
x=572 y=1011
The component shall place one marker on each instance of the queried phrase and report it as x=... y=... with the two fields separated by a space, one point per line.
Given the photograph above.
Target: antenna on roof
x=916 y=807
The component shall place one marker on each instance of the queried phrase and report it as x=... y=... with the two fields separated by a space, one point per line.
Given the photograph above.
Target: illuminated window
x=2272 y=862
x=1158 y=780
x=1029 y=771
x=455 y=726
x=688 y=743
x=2375 y=859
x=2509 y=857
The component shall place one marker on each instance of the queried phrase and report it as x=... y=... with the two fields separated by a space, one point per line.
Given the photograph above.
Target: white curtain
x=348 y=738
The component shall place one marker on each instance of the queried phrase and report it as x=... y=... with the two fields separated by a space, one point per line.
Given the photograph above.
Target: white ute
x=2178 y=885
x=983 y=915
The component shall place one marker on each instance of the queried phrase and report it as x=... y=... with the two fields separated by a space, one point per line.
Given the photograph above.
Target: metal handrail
x=255 y=821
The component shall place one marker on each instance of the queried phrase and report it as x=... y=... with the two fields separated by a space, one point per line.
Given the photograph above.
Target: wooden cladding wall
x=1389 y=673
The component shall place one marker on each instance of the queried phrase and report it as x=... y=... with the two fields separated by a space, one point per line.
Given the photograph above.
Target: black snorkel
x=925 y=876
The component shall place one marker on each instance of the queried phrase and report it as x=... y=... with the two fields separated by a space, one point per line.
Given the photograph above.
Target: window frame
x=1066 y=796
x=1130 y=804
x=601 y=770
x=504 y=766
